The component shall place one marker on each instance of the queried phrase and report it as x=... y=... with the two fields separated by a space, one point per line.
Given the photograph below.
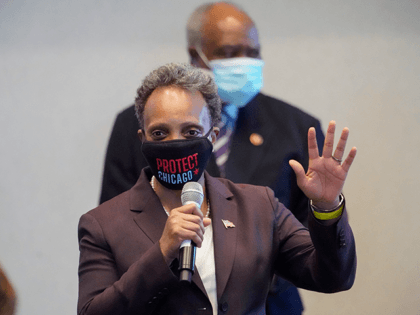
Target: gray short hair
x=195 y=22
x=184 y=76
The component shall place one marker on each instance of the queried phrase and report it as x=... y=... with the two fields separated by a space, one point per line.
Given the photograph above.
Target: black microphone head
x=192 y=192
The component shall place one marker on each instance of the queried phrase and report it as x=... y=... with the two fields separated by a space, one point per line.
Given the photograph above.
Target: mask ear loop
x=203 y=57
x=207 y=136
x=208 y=133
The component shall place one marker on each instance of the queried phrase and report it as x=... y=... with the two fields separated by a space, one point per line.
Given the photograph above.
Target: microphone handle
x=187 y=252
x=187 y=262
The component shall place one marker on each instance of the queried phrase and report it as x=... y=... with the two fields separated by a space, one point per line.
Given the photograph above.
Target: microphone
x=192 y=192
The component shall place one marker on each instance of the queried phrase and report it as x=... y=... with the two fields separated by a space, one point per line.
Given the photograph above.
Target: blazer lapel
x=222 y=208
x=150 y=215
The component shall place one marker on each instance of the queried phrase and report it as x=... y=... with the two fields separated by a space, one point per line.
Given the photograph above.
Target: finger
x=299 y=171
x=341 y=146
x=194 y=219
x=190 y=231
x=197 y=211
x=184 y=221
x=312 y=144
x=349 y=160
x=198 y=235
x=197 y=238
x=194 y=228
x=198 y=241
x=329 y=140
x=190 y=209
x=206 y=222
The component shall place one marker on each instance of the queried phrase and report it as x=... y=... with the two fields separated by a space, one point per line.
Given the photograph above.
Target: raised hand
x=324 y=180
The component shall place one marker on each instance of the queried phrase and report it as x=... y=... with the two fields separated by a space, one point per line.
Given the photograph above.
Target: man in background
x=258 y=134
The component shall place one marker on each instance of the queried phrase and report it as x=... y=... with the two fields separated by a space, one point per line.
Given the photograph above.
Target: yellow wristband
x=328 y=215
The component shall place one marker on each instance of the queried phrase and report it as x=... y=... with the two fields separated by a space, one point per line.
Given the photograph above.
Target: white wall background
x=67 y=67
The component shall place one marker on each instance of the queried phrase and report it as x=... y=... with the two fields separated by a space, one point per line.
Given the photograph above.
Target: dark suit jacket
x=122 y=270
x=282 y=127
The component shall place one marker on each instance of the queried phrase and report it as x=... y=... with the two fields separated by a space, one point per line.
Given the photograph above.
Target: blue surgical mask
x=238 y=79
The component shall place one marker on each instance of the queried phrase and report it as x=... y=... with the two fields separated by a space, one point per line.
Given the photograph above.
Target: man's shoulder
x=277 y=107
x=126 y=124
x=127 y=113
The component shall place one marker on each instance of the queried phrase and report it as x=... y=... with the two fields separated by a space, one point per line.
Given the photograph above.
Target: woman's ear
x=141 y=135
x=213 y=134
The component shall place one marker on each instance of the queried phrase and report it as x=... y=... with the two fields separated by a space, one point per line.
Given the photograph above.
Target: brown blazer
x=122 y=270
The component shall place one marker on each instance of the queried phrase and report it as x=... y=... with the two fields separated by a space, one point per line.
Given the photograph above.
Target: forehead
x=225 y=25
x=171 y=104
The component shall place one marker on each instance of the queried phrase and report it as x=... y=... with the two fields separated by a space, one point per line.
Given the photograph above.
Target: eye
x=224 y=52
x=237 y=52
x=158 y=134
x=193 y=133
x=222 y=55
x=253 y=53
x=233 y=52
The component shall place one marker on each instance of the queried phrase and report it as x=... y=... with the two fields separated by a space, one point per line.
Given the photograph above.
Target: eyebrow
x=222 y=49
x=241 y=46
x=183 y=126
x=191 y=124
x=158 y=126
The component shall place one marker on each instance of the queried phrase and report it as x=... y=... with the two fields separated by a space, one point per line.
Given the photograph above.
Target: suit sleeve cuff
x=324 y=215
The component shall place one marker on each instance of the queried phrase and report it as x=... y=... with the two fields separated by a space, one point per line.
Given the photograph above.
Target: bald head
x=221 y=11
x=221 y=30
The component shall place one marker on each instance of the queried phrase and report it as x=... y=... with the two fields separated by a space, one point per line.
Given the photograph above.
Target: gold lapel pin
x=256 y=139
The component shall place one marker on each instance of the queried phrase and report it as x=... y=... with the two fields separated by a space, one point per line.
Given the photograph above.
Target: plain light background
x=67 y=68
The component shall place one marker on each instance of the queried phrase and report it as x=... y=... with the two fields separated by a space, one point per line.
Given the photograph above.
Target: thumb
x=299 y=171
x=206 y=222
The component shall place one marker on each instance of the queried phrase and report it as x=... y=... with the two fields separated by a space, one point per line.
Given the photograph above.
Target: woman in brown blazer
x=129 y=245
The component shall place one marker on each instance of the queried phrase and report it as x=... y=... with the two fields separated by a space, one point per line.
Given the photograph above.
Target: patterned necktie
x=221 y=147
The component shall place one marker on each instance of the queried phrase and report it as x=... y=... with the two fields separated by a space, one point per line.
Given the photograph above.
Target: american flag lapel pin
x=228 y=224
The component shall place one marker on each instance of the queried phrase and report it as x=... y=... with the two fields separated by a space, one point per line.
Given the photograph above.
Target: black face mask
x=176 y=162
